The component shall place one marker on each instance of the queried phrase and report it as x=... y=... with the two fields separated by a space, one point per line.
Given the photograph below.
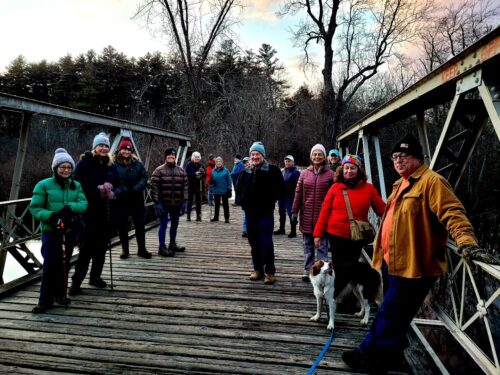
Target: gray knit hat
x=62 y=156
x=100 y=139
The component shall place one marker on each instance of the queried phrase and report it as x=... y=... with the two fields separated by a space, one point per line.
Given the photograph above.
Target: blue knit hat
x=259 y=147
x=334 y=151
x=62 y=156
x=100 y=139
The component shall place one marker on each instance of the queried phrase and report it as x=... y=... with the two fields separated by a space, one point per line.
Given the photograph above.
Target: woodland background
x=226 y=98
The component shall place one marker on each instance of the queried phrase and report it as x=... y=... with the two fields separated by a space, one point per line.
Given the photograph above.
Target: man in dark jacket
x=131 y=201
x=169 y=186
x=258 y=188
x=196 y=174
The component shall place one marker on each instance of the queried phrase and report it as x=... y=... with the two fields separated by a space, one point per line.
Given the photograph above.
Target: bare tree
x=453 y=28
x=193 y=28
x=357 y=36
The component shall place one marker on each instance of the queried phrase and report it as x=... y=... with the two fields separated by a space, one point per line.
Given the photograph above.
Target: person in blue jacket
x=237 y=168
x=221 y=181
x=55 y=203
x=291 y=176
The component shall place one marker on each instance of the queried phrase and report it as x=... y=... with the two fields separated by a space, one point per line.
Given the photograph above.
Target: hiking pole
x=108 y=218
x=61 y=225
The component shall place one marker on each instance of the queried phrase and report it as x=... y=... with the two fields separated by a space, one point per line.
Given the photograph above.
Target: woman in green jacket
x=55 y=202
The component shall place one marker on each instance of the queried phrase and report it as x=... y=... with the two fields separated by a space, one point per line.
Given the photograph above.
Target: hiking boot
x=354 y=359
x=188 y=216
x=214 y=219
x=98 y=283
x=64 y=301
x=39 y=309
x=198 y=217
x=124 y=255
x=244 y=234
x=226 y=221
x=74 y=290
x=269 y=279
x=144 y=254
x=178 y=249
x=279 y=231
x=305 y=278
x=164 y=252
x=292 y=234
x=255 y=275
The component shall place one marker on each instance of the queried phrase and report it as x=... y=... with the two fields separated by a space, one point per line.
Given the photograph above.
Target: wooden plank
x=196 y=313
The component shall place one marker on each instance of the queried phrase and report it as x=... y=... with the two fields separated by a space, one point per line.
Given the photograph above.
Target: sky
x=51 y=29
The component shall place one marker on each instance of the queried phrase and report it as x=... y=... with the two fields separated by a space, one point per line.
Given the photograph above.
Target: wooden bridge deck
x=194 y=313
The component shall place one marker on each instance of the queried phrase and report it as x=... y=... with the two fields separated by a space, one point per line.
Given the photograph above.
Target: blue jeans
x=244 y=225
x=309 y=250
x=260 y=237
x=284 y=209
x=172 y=212
x=55 y=272
x=210 y=195
x=387 y=335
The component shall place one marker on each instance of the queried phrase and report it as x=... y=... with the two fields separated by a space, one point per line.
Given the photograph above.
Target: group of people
x=416 y=221
x=85 y=202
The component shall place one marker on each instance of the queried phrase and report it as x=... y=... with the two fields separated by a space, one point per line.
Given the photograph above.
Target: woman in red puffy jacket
x=334 y=219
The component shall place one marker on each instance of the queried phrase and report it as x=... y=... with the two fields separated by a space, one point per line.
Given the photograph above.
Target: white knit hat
x=319 y=147
x=62 y=156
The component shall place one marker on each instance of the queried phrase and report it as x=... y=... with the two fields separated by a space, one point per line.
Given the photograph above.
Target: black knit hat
x=410 y=145
x=237 y=156
x=170 y=151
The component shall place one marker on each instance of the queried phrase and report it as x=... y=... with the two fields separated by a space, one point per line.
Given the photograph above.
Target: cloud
x=264 y=10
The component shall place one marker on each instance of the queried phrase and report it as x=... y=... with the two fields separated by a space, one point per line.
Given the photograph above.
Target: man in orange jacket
x=421 y=213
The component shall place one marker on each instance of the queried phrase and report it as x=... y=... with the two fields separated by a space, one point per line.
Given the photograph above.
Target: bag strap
x=348 y=204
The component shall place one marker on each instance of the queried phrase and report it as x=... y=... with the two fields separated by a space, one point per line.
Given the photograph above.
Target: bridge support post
x=10 y=211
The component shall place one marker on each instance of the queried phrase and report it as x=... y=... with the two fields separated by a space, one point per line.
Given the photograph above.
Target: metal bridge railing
x=17 y=227
x=465 y=301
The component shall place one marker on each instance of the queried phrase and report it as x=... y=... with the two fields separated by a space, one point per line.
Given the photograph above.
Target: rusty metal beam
x=436 y=88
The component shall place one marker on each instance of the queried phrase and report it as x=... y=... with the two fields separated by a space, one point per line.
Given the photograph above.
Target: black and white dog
x=360 y=278
x=366 y=284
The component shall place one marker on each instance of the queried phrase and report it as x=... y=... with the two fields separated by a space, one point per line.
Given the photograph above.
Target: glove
x=65 y=213
x=106 y=190
x=229 y=193
x=53 y=218
x=183 y=207
x=472 y=252
x=295 y=220
x=159 y=210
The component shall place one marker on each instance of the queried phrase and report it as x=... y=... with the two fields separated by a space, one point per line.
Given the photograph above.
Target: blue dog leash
x=322 y=354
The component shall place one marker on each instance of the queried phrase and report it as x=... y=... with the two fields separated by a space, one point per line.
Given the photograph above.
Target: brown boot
x=255 y=275
x=269 y=279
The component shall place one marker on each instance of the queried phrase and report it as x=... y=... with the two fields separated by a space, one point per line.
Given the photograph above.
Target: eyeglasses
x=401 y=155
x=65 y=168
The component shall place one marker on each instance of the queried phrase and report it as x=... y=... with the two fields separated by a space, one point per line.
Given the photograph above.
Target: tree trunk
x=329 y=130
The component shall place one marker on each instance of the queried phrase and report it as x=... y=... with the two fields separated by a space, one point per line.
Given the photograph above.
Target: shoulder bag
x=361 y=231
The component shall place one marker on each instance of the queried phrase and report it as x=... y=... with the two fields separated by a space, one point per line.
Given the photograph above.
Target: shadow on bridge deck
x=194 y=313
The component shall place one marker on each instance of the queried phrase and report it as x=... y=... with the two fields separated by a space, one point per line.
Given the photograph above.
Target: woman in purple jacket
x=312 y=187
